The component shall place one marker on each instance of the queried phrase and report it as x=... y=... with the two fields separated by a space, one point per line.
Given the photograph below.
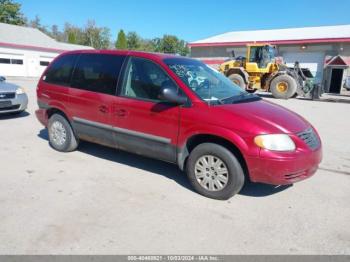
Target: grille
x=7 y=95
x=310 y=138
x=9 y=108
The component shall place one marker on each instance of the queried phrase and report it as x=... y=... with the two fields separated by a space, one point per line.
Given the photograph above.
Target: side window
x=97 y=73
x=60 y=71
x=143 y=79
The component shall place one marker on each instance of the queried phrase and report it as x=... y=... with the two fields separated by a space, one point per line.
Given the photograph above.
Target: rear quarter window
x=97 y=73
x=60 y=71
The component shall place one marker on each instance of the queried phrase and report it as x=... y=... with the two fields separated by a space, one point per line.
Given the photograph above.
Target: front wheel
x=283 y=86
x=61 y=135
x=214 y=171
x=238 y=80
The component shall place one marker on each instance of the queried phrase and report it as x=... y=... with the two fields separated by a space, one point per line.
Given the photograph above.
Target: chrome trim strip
x=92 y=123
x=124 y=131
x=142 y=135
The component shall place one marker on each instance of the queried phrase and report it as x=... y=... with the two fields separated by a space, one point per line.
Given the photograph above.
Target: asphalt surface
x=100 y=201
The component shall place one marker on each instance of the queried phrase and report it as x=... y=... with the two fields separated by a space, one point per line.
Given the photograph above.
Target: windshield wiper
x=243 y=97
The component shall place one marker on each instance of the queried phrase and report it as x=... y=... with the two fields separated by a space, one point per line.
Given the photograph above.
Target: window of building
x=97 y=73
x=11 y=61
x=5 y=61
x=17 y=61
x=44 y=63
x=144 y=79
x=60 y=71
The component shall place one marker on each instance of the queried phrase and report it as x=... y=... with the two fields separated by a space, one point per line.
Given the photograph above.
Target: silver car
x=13 y=99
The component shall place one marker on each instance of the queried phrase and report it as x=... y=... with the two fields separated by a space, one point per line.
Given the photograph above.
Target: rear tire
x=283 y=86
x=238 y=80
x=61 y=135
x=218 y=180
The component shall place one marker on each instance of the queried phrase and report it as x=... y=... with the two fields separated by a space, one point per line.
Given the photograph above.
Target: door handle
x=121 y=112
x=103 y=109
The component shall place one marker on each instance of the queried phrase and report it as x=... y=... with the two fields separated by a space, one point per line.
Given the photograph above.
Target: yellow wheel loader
x=260 y=70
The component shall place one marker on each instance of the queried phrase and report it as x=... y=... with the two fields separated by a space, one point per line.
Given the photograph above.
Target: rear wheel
x=61 y=135
x=214 y=171
x=283 y=86
x=238 y=80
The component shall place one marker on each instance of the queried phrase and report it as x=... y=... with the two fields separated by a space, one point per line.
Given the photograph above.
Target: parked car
x=142 y=103
x=347 y=83
x=13 y=99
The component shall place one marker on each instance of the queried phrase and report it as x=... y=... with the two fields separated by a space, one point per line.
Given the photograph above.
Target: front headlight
x=275 y=142
x=19 y=91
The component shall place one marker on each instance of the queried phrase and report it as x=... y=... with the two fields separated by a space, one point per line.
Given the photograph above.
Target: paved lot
x=100 y=201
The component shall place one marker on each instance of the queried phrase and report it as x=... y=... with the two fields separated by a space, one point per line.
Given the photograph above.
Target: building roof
x=305 y=35
x=337 y=61
x=32 y=38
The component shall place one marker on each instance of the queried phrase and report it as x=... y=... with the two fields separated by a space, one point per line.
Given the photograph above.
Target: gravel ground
x=100 y=201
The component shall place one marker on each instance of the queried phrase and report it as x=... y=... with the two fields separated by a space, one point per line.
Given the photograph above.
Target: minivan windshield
x=208 y=84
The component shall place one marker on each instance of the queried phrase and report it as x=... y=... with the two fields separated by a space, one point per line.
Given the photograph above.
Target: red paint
x=274 y=42
x=236 y=123
x=338 y=60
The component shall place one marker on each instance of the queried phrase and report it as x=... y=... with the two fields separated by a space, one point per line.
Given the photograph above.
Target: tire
x=283 y=86
x=235 y=175
x=58 y=124
x=238 y=80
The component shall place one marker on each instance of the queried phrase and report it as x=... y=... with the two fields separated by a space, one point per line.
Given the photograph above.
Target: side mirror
x=170 y=94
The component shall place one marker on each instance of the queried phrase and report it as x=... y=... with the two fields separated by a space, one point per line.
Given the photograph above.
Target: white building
x=324 y=50
x=26 y=51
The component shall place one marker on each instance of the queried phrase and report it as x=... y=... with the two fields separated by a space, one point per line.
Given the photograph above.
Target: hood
x=7 y=87
x=267 y=117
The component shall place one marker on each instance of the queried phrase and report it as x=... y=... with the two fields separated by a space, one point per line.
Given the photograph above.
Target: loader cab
x=260 y=58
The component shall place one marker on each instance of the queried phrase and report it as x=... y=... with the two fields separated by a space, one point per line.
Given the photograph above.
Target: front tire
x=283 y=86
x=238 y=80
x=214 y=171
x=61 y=135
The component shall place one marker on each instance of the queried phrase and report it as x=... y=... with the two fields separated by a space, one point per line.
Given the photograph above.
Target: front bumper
x=18 y=104
x=41 y=115
x=284 y=170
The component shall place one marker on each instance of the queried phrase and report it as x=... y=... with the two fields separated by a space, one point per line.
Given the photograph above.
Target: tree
x=170 y=44
x=36 y=23
x=10 y=13
x=133 y=41
x=97 y=37
x=72 y=34
x=56 y=33
x=121 y=42
x=90 y=35
x=148 y=45
x=72 y=37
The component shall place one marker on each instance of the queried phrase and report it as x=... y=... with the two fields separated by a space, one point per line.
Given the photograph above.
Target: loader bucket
x=307 y=73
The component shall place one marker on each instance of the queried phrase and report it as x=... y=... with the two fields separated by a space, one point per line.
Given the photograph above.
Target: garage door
x=12 y=65
x=312 y=60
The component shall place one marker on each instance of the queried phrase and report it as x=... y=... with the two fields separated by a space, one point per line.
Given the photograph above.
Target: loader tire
x=238 y=80
x=283 y=86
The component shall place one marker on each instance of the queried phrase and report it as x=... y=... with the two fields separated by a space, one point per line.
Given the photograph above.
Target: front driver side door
x=142 y=123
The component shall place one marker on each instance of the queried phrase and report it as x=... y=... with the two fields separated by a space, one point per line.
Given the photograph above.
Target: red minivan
x=178 y=110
